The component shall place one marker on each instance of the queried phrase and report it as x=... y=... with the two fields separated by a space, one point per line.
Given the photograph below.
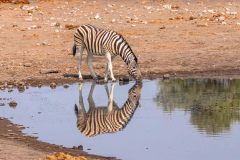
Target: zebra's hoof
x=95 y=78
x=114 y=80
x=80 y=80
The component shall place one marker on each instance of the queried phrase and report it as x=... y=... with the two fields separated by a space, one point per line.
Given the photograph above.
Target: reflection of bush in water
x=214 y=104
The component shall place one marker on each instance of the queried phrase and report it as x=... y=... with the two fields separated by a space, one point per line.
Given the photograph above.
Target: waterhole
x=172 y=119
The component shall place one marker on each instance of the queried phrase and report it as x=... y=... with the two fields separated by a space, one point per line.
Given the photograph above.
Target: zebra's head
x=135 y=93
x=133 y=68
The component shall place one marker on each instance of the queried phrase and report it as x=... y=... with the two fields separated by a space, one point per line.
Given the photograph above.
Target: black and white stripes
x=104 y=43
x=107 y=119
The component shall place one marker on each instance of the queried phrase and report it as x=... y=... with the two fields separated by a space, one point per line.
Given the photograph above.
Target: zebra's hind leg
x=79 y=61
x=109 y=59
x=90 y=65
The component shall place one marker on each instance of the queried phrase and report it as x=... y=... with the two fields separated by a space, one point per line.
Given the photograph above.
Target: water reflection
x=214 y=104
x=106 y=119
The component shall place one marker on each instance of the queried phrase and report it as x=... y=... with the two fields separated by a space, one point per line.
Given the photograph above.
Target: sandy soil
x=196 y=38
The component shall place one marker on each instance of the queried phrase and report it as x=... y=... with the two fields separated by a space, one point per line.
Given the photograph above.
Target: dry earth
x=182 y=38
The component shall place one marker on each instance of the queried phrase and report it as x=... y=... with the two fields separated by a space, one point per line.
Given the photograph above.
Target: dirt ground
x=181 y=38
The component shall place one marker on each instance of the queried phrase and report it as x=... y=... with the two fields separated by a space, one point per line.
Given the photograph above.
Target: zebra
x=107 y=43
x=106 y=119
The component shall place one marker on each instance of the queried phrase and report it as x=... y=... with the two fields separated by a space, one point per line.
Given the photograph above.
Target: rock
x=21 y=86
x=167 y=6
x=65 y=86
x=124 y=80
x=100 y=81
x=27 y=64
x=28 y=8
x=13 y=104
x=80 y=147
x=14 y=25
x=163 y=27
x=113 y=20
x=20 y=1
x=97 y=16
x=55 y=24
x=166 y=76
x=221 y=18
x=175 y=7
x=53 y=85
x=2 y=104
x=147 y=7
x=39 y=85
x=71 y=26
x=192 y=18
x=2 y=87
x=48 y=71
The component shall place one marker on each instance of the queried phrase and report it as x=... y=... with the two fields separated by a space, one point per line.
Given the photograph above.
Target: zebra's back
x=96 y=40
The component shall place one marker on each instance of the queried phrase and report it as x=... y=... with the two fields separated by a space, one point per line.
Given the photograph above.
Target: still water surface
x=176 y=119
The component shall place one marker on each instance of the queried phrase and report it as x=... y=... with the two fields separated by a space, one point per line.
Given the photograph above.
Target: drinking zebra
x=106 y=119
x=104 y=43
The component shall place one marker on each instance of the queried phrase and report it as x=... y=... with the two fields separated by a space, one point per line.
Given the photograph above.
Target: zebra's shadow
x=106 y=119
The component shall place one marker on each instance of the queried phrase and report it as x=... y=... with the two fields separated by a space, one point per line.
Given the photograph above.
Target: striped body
x=100 y=120
x=107 y=43
x=99 y=41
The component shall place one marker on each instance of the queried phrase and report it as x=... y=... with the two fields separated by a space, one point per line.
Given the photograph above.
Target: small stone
x=167 y=6
x=39 y=85
x=20 y=1
x=163 y=27
x=124 y=80
x=28 y=8
x=113 y=20
x=100 y=81
x=80 y=147
x=97 y=16
x=221 y=18
x=48 y=71
x=27 y=64
x=175 y=7
x=166 y=76
x=192 y=18
x=53 y=85
x=55 y=24
x=65 y=86
x=71 y=26
x=13 y=104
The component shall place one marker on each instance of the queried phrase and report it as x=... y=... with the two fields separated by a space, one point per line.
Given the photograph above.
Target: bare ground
x=189 y=39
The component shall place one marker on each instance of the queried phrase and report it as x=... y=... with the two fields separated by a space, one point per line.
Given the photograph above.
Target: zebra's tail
x=74 y=49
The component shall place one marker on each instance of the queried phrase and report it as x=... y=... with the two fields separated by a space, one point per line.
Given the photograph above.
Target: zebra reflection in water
x=106 y=119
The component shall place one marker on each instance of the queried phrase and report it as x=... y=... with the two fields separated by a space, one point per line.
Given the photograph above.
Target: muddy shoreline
x=12 y=132
x=73 y=78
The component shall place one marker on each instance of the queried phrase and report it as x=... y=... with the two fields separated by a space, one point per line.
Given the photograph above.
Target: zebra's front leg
x=90 y=65
x=106 y=73
x=109 y=59
x=110 y=98
x=81 y=104
x=107 y=70
x=79 y=61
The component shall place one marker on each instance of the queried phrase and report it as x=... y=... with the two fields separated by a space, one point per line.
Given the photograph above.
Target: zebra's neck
x=128 y=57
